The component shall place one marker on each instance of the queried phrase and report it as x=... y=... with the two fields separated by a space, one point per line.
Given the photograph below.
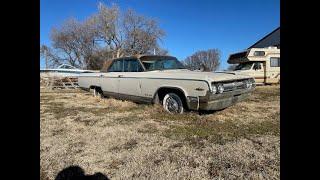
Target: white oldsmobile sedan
x=164 y=80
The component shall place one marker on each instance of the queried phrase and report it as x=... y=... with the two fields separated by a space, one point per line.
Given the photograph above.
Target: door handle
x=120 y=75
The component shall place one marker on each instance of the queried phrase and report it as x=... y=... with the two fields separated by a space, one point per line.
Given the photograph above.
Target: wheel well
x=97 y=88
x=165 y=90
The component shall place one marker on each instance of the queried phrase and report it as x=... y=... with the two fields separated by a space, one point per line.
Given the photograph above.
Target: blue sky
x=190 y=25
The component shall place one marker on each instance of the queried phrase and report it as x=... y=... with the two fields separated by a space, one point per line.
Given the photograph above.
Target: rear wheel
x=97 y=92
x=172 y=103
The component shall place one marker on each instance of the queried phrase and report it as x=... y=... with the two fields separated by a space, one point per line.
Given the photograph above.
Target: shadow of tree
x=77 y=173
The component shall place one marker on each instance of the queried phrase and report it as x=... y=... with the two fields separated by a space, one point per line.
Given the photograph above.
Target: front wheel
x=172 y=103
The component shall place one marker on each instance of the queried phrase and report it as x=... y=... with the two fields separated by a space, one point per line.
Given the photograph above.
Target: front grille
x=232 y=85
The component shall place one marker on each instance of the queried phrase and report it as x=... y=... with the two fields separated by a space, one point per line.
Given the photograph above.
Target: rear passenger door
x=110 y=80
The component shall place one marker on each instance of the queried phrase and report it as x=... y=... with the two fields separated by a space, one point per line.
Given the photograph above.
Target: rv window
x=116 y=66
x=259 y=53
x=274 y=62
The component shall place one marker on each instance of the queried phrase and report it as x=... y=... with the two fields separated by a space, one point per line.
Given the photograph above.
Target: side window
x=274 y=62
x=168 y=64
x=257 y=66
x=116 y=66
x=132 y=65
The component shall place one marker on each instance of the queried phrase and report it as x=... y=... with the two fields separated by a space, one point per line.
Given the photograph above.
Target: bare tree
x=44 y=53
x=107 y=22
x=160 y=51
x=104 y=35
x=208 y=60
x=142 y=34
x=74 y=41
x=128 y=33
x=51 y=57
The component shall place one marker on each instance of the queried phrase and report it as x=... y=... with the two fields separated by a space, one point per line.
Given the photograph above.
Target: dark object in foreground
x=77 y=173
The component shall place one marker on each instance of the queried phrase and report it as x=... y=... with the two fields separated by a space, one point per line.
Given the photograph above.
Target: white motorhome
x=261 y=63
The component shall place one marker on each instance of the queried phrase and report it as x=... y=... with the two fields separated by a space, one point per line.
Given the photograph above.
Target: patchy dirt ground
x=124 y=140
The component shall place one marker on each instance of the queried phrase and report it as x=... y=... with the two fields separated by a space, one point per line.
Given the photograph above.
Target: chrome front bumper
x=218 y=101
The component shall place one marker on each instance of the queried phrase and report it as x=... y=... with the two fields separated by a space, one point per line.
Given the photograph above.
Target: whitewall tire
x=172 y=103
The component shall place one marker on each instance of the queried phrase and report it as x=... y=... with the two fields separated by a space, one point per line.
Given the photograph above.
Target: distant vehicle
x=261 y=63
x=164 y=80
x=63 y=70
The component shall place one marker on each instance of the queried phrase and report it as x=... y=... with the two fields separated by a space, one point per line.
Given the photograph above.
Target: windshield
x=162 y=64
x=244 y=66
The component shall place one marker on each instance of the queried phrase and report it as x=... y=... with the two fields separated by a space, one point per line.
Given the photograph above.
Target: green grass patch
x=220 y=132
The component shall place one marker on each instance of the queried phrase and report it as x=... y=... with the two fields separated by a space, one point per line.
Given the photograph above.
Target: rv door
x=259 y=73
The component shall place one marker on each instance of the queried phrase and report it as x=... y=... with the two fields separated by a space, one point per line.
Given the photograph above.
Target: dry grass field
x=124 y=140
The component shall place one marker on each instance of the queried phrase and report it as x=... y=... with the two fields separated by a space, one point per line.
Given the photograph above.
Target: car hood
x=187 y=74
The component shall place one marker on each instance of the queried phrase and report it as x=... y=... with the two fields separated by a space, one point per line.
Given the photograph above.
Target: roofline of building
x=264 y=37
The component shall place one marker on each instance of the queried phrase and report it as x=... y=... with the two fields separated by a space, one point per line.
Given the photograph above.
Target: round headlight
x=214 y=89
x=220 y=88
x=248 y=84
x=252 y=82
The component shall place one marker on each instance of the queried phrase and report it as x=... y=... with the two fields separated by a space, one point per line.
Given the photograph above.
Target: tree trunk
x=118 y=53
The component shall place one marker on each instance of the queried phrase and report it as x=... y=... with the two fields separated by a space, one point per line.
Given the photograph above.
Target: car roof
x=142 y=57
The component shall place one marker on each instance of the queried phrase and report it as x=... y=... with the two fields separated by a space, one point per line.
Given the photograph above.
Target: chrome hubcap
x=172 y=105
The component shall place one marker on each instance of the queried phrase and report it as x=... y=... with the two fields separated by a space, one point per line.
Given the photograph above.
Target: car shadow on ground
x=77 y=173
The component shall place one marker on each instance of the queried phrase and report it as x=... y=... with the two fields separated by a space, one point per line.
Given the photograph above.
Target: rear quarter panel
x=87 y=80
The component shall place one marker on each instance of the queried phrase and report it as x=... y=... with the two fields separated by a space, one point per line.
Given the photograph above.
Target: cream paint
x=268 y=74
x=145 y=84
